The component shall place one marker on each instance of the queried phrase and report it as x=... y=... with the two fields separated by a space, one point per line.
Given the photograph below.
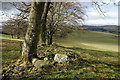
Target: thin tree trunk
x=29 y=50
x=44 y=17
x=18 y=36
x=50 y=39
x=11 y=35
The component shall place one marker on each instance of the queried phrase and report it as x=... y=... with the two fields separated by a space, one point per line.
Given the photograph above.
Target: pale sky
x=94 y=17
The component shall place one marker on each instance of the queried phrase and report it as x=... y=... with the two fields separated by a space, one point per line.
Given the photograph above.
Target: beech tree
x=24 y=8
x=61 y=14
x=43 y=28
x=37 y=16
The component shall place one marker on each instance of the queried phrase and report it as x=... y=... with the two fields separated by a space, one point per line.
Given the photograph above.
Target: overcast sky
x=94 y=17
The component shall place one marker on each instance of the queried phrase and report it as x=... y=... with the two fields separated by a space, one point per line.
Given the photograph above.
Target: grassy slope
x=91 y=40
x=86 y=39
x=10 y=50
x=94 y=64
x=9 y=36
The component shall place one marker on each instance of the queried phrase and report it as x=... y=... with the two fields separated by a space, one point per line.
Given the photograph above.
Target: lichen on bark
x=29 y=49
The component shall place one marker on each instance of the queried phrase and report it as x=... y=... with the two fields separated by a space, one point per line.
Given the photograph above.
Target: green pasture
x=91 y=40
x=93 y=64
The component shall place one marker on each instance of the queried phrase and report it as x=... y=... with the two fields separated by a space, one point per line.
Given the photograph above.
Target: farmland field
x=91 y=63
x=91 y=40
x=86 y=39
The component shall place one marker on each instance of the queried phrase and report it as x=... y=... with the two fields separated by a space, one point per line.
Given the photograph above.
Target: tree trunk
x=49 y=39
x=11 y=35
x=44 y=17
x=18 y=36
x=29 y=50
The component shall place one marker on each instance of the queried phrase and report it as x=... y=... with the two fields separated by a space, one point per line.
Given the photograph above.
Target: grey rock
x=39 y=63
x=61 y=58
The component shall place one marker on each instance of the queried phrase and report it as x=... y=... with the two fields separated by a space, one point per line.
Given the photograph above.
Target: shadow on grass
x=94 y=52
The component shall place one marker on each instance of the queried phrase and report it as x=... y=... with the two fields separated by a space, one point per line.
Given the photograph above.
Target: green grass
x=106 y=57
x=9 y=36
x=4 y=35
x=10 y=50
x=98 y=52
x=92 y=64
x=90 y=40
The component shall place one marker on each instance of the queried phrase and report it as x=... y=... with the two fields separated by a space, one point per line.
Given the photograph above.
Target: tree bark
x=29 y=50
x=43 y=28
x=50 y=39
x=18 y=36
x=11 y=35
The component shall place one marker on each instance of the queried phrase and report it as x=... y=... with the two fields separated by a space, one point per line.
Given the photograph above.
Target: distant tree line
x=16 y=27
x=114 y=31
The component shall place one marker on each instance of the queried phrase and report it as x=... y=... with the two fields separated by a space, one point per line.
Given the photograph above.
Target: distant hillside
x=107 y=28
